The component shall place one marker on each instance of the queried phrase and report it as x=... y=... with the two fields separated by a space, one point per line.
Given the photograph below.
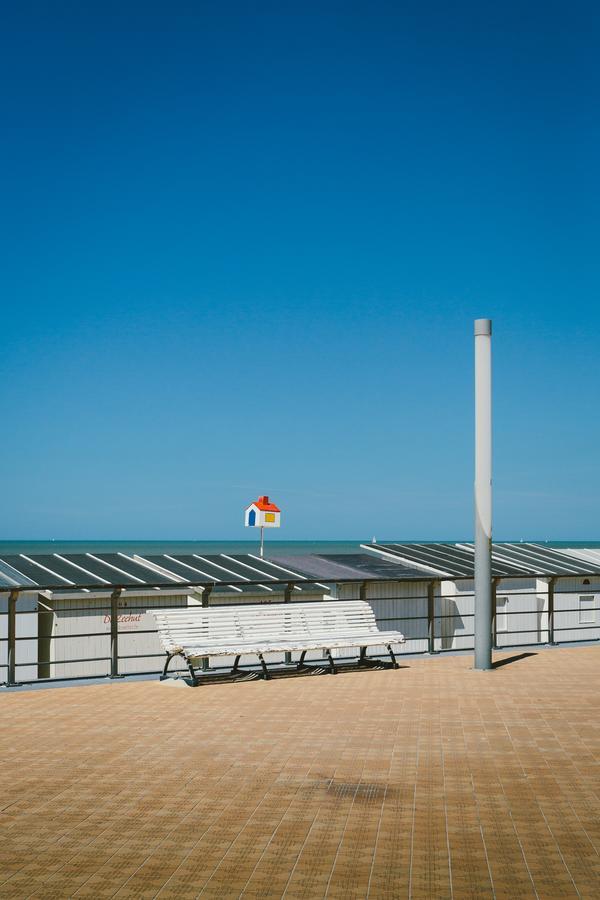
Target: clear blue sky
x=242 y=249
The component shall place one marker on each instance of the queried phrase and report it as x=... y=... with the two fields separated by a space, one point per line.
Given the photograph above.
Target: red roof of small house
x=264 y=504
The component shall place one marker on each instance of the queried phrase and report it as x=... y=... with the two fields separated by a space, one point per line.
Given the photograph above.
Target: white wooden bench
x=197 y=633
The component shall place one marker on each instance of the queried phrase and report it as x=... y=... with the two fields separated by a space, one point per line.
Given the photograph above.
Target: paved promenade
x=430 y=781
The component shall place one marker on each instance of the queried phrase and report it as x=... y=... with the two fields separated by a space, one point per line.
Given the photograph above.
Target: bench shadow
x=276 y=674
x=510 y=659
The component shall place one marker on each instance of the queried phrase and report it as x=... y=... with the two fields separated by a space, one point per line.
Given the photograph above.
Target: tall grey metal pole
x=483 y=494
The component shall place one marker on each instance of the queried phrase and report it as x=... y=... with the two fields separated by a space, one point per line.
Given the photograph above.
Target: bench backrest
x=201 y=626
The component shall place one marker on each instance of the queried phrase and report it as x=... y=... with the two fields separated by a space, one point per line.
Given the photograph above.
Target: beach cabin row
x=69 y=634
x=64 y=635
x=521 y=611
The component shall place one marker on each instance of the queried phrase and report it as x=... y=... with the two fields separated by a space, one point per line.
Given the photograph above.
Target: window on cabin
x=269 y=517
x=501 y=613
x=587 y=613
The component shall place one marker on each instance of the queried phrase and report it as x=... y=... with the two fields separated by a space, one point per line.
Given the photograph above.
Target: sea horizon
x=272 y=547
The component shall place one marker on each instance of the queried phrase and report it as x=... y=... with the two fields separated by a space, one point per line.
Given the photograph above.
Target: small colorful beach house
x=262 y=514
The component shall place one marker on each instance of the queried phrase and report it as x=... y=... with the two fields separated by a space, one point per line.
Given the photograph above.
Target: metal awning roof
x=67 y=572
x=353 y=567
x=223 y=573
x=244 y=573
x=508 y=560
x=588 y=554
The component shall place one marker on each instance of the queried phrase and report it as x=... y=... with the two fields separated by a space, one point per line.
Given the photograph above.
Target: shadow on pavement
x=511 y=659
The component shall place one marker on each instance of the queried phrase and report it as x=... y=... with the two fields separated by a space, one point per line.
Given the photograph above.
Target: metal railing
x=440 y=631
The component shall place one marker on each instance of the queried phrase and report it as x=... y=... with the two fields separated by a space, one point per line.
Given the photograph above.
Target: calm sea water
x=272 y=548
x=201 y=547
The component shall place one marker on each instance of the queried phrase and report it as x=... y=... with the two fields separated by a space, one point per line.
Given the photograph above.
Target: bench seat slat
x=318 y=641
x=292 y=646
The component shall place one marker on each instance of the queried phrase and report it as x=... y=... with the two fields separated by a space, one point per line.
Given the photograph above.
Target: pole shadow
x=510 y=659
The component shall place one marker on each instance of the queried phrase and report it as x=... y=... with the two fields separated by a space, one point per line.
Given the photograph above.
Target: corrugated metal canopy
x=240 y=573
x=508 y=560
x=353 y=566
x=244 y=573
x=588 y=554
x=447 y=560
x=548 y=560
x=11 y=577
x=67 y=572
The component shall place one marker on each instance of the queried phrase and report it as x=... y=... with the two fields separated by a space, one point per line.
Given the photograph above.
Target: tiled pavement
x=430 y=781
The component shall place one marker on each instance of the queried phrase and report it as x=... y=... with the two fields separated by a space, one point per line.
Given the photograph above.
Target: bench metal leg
x=164 y=671
x=264 y=666
x=234 y=671
x=192 y=674
x=362 y=657
x=171 y=656
x=332 y=667
x=391 y=652
x=301 y=660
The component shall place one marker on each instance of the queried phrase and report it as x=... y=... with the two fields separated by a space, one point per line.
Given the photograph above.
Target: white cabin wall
x=527 y=612
x=567 y=625
x=454 y=616
x=27 y=628
x=76 y=615
x=526 y=618
x=398 y=606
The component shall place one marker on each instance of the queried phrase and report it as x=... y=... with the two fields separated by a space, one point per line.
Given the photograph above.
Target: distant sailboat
x=373 y=540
